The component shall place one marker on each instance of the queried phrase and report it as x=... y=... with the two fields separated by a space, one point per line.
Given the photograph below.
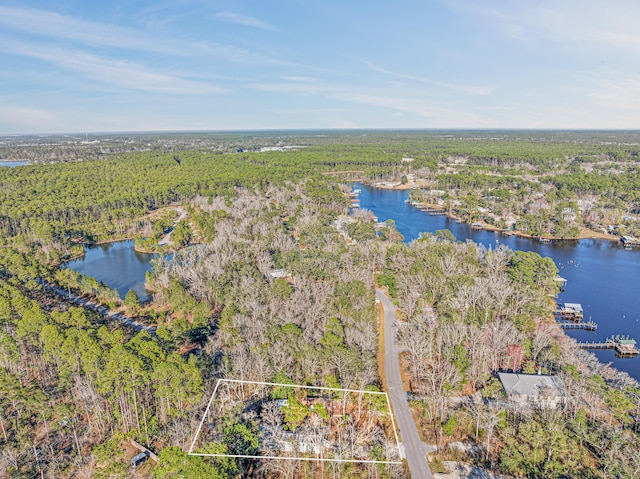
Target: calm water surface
x=12 y=164
x=602 y=276
x=117 y=265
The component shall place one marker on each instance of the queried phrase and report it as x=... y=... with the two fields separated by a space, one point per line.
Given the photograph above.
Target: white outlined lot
x=313 y=423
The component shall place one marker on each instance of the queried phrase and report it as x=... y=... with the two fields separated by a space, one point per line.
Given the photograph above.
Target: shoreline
x=585 y=233
x=588 y=359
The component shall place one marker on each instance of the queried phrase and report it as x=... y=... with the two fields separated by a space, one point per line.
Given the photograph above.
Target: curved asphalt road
x=414 y=449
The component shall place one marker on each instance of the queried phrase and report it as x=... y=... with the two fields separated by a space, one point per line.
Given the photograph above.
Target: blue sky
x=76 y=66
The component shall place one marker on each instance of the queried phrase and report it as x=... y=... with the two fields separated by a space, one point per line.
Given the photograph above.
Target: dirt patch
x=586 y=233
x=143 y=471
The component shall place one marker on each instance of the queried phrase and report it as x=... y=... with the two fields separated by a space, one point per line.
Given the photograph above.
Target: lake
x=12 y=164
x=601 y=274
x=117 y=265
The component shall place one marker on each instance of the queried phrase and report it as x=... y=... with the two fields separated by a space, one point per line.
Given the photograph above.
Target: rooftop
x=574 y=306
x=279 y=273
x=530 y=384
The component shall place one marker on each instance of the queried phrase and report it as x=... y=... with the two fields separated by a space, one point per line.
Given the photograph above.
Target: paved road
x=167 y=238
x=100 y=309
x=414 y=449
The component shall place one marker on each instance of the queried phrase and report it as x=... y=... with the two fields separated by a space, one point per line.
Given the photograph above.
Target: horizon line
x=320 y=129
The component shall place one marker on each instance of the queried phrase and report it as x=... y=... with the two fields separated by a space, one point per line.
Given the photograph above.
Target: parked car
x=139 y=459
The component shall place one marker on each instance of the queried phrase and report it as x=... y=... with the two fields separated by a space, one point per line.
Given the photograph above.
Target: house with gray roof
x=534 y=390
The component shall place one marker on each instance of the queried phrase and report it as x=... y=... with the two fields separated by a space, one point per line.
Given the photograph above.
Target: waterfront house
x=534 y=390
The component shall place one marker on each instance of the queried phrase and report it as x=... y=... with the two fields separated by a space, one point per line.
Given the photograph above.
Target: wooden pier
x=588 y=326
x=624 y=346
x=431 y=208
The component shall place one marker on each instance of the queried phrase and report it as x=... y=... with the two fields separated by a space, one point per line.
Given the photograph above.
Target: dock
x=629 y=241
x=431 y=208
x=624 y=346
x=588 y=325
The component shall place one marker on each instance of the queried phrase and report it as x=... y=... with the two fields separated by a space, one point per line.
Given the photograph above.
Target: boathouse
x=570 y=311
x=560 y=281
x=626 y=347
x=630 y=241
x=533 y=390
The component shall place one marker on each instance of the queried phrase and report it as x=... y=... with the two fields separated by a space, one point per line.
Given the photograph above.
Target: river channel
x=601 y=274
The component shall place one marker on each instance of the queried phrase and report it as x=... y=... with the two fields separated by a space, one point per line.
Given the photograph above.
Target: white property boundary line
x=322 y=388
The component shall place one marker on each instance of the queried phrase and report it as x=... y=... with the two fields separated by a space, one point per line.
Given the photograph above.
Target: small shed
x=535 y=390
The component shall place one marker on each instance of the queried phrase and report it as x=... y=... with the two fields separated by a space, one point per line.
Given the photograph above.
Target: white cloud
x=437 y=115
x=470 y=90
x=299 y=79
x=118 y=73
x=310 y=110
x=20 y=118
x=48 y=24
x=585 y=23
x=297 y=87
x=244 y=20
x=342 y=123
x=623 y=94
x=53 y=25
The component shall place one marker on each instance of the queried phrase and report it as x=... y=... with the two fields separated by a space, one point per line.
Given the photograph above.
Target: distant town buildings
x=281 y=148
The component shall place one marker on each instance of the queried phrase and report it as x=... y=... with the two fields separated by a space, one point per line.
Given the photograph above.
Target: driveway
x=414 y=449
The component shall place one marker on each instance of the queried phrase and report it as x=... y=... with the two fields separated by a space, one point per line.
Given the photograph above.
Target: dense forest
x=77 y=387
